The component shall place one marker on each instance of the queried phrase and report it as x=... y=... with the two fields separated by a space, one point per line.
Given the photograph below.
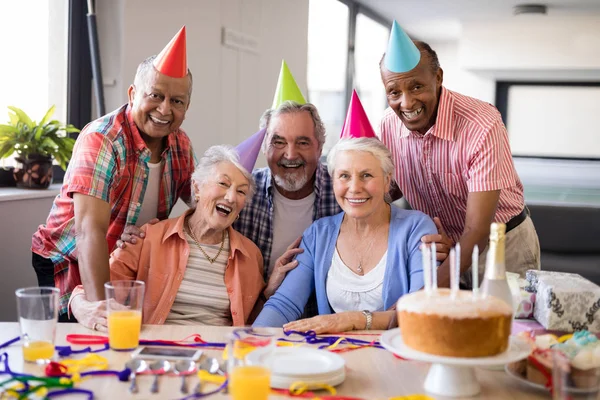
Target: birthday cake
x=459 y=326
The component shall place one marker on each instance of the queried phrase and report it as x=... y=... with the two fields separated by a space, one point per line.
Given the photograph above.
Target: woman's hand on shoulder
x=340 y=322
x=283 y=265
x=91 y=314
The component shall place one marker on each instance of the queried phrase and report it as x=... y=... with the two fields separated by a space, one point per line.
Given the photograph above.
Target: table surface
x=371 y=373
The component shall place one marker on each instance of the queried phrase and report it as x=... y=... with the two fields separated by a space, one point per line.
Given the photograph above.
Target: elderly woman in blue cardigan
x=358 y=262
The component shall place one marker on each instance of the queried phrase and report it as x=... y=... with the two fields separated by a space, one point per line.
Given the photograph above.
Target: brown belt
x=517 y=219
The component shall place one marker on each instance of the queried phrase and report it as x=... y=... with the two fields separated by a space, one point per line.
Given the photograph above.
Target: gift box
x=525 y=325
x=525 y=304
x=566 y=302
x=533 y=276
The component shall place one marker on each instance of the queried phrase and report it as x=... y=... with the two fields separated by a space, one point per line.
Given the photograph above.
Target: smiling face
x=293 y=152
x=359 y=183
x=158 y=106
x=414 y=95
x=222 y=196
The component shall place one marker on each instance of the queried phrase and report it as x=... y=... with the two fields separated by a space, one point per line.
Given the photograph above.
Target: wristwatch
x=369 y=318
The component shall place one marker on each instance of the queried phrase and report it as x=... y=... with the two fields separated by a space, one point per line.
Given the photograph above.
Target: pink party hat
x=248 y=150
x=172 y=60
x=357 y=124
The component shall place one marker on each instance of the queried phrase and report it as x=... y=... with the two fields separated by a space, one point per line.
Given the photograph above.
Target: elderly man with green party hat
x=452 y=159
x=295 y=189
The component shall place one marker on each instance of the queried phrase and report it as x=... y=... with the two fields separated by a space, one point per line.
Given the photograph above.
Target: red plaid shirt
x=110 y=163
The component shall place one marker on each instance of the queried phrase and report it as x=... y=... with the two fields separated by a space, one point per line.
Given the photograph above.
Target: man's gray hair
x=143 y=73
x=290 y=107
x=372 y=146
x=212 y=157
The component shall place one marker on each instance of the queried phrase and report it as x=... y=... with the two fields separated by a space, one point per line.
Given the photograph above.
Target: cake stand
x=453 y=376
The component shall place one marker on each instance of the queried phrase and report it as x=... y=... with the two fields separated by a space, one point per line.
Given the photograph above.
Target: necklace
x=210 y=260
x=365 y=253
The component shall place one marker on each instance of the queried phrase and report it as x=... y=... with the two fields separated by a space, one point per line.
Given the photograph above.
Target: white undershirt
x=347 y=291
x=150 y=203
x=290 y=220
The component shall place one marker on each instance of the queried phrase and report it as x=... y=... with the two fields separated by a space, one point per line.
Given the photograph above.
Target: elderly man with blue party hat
x=452 y=159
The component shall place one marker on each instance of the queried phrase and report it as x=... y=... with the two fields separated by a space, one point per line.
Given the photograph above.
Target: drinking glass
x=37 y=308
x=124 y=302
x=570 y=383
x=250 y=382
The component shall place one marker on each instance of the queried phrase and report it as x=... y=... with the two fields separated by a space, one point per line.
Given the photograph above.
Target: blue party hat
x=402 y=55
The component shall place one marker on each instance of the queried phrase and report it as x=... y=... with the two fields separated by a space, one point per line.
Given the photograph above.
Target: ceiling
x=441 y=20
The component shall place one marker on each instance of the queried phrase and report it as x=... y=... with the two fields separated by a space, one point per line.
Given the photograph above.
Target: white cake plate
x=453 y=376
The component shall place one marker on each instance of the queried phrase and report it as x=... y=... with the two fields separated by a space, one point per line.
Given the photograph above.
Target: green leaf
x=8 y=129
x=48 y=115
x=23 y=117
x=13 y=118
x=6 y=150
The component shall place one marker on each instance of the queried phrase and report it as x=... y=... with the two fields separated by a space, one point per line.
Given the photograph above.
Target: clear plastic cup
x=37 y=308
x=124 y=304
x=246 y=381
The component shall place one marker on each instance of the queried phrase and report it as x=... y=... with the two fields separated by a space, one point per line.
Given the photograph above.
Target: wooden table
x=371 y=373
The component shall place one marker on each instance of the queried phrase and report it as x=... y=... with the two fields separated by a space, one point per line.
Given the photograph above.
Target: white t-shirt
x=290 y=220
x=347 y=291
x=150 y=204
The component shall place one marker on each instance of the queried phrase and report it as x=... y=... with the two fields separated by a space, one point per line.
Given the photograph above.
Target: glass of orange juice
x=249 y=382
x=124 y=301
x=38 y=313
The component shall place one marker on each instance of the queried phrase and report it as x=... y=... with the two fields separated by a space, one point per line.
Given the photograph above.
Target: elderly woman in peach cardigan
x=197 y=269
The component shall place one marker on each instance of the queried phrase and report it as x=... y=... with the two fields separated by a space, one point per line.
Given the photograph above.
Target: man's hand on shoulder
x=131 y=232
x=283 y=265
x=443 y=242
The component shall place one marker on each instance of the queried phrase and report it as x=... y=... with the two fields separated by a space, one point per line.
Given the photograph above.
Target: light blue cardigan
x=403 y=273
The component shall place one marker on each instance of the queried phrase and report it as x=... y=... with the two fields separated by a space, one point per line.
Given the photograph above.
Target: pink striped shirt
x=466 y=150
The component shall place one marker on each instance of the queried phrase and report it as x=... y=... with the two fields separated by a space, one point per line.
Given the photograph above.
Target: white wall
x=457 y=78
x=565 y=48
x=540 y=43
x=232 y=88
x=20 y=218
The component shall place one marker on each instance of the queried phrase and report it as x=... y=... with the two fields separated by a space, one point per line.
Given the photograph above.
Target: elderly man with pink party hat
x=362 y=260
x=453 y=159
x=128 y=167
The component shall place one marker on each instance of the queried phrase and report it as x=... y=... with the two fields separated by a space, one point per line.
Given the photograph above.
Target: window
x=33 y=71
x=327 y=63
x=345 y=43
x=371 y=42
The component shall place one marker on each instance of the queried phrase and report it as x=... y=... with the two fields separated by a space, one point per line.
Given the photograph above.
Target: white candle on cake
x=475 y=271
x=453 y=283
x=426 y=269
x=457 y=266
x=433 y=267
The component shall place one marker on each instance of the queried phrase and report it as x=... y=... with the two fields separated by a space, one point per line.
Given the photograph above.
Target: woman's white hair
x=372 y=146
x=212 y=157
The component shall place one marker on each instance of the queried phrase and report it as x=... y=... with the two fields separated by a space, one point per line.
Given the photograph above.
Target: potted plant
x=36 y=145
